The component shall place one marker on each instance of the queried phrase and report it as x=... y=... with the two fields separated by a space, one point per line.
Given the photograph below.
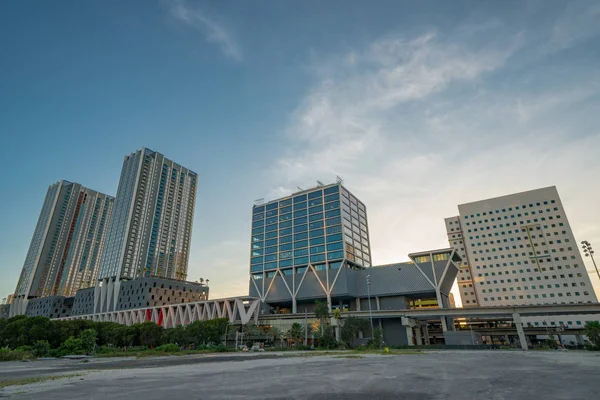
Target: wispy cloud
x=213 y=31
x=580 y=21
x=419 y=125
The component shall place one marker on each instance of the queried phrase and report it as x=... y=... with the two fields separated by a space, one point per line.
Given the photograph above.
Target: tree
x=592 y=331
x=207 y=332
x=324 y=332
x=326 y=337
x=377 y=340
x=125 y=336
x=274 y=332
x=296 y=332
x=108 y=333
x=321 y=310
x=25 y=331
x=196 y=333
x=150 y=334
x=88 y=340
x=177 y=335
x=352 y=326
x=41 y=348
x=215 y=330
x=71 y=346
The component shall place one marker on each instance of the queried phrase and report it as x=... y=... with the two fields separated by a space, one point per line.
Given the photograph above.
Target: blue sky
x=419 y=106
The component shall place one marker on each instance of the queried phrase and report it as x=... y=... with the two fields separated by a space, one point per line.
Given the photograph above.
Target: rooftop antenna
x=338 y=179
x=319 y=184
x=299 y=188
x=258 y=202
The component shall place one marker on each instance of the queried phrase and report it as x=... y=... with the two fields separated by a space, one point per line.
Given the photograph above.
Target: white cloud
x=214 y=32
x=419 y=125
x=580 y=21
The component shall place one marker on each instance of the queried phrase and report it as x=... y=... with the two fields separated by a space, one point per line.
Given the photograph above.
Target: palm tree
x=295 y=332
x=274 y=332
x=249 y=331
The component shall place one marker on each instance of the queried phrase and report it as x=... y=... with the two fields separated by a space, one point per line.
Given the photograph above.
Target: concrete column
x=426 y=334
x=358 y=304
x=294 y=306
x=444 y=326
x=418 y=336
x=579 y=340
x=377 y=302
x=519 y=326
x=410 y=335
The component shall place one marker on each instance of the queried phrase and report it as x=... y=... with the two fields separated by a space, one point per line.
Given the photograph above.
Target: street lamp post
x=589 y=252
x=369 y=296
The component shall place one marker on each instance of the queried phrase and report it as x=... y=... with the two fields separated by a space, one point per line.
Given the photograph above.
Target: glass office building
x=322 y=227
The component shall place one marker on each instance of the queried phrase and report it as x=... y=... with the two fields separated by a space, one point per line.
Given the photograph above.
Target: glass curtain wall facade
x=322 y=226
x=64 y=254
x=151 y=229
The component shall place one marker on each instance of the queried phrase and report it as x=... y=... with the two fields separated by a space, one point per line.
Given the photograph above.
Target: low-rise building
x=51 y=307
x=152 y=292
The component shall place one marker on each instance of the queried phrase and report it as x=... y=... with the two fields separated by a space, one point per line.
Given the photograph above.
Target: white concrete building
x=519 y=249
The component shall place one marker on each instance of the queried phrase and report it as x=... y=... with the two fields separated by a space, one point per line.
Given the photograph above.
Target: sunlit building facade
x=519 y=249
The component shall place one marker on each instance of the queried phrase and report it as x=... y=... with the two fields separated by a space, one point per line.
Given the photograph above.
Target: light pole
x=589 y=252
x=471 y=328
x=369 y=296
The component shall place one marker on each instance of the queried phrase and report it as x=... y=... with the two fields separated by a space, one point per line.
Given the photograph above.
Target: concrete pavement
x=430 y=375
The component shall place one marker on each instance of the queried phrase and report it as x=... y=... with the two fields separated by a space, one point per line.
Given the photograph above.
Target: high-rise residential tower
x=151 y=228
x=519 y=249
x=67 y=244
x=324 y=228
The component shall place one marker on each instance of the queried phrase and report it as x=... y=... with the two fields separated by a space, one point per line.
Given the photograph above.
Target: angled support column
x=410 y=335
x=418 y=336
x=519 y=326
x=425 y=333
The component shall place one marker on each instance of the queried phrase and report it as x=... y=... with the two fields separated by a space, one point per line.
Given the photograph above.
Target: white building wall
x=521 y=250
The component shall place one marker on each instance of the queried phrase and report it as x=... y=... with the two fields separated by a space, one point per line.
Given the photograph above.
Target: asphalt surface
x=430 y=375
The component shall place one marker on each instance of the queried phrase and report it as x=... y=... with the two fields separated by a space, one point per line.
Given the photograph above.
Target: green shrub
x=71 y=346
x=168 y=348
x=88 y=339
x=41 y=348
x=592 y=331
x=8 y=355
x=222 y=348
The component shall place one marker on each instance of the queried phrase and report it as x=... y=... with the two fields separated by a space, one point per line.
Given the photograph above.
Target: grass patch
x=37 y=379
x=15 y=355
x=387 y=351
x=163 y=353
x=350 y=356
x=317 y=353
